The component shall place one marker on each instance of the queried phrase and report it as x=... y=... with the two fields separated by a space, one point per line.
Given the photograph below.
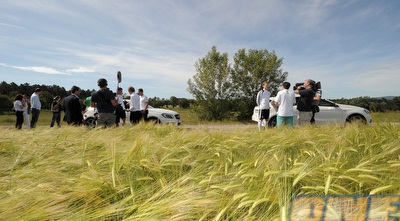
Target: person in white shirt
x=263 y=105
x=285 y=100
x=134 y=106
x=120 y=113
x=144 y=104
x=19 y=111
x=36 y=106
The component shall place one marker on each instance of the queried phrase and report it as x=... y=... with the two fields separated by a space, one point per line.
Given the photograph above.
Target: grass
x=152 y=172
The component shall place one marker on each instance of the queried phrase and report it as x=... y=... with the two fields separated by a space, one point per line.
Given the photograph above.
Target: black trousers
x=20 y=119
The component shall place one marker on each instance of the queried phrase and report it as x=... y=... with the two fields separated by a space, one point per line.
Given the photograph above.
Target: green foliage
x=151 y=172
x=5 y=103
x=250 y=70
x=373 y=104
x=211 y=86
x=245 y=79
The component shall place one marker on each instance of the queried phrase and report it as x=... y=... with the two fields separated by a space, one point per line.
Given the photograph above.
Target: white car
x=329 y=112
x=157 y=115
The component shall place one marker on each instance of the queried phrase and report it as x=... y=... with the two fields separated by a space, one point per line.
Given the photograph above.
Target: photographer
x=55 y=109
x=305 y=104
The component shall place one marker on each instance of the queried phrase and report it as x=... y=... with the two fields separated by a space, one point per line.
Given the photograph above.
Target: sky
x=350 y=46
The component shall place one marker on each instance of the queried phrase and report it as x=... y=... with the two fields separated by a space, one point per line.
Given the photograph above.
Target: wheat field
x=153 y=172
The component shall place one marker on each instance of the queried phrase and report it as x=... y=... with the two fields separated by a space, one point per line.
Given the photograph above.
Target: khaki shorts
x=304 y=118
x=106 y=120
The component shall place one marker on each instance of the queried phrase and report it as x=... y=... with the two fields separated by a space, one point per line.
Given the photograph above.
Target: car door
x=329 y=112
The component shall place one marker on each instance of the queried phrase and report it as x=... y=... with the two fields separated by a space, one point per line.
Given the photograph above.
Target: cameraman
x=305 y=104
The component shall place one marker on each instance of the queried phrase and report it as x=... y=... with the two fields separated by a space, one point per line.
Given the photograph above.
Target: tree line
x=9 y=90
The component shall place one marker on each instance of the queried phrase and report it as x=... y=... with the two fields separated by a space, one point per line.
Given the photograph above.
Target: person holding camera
x=305 y=103
x=263 y=104
x=56 y=109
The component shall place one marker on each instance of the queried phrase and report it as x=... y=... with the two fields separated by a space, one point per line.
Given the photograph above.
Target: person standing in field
x=19 y=111
x=36 y=106
x=56 y=110
x=144 y=104
x=27 y=119
x=105 y=102
x=120 y=109
x=304 y=106
x=262 y=100
x=134 y=106
x=73 y=108
x=285 y=100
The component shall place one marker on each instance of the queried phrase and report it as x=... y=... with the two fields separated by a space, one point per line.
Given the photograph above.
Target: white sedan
x=329 y=112
x=157 y=115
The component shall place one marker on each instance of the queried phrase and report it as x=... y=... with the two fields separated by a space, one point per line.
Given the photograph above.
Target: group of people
x=111 y=107
x=72 y=107
x=21 y=103
x=284 y=101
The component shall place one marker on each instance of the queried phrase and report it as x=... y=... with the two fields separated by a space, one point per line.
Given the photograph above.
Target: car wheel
x=91 y=122
x=356 y=118
x=154 y=120
x=272 y=122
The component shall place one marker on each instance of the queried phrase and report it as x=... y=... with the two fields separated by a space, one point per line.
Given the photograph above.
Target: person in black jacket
x=73 y=108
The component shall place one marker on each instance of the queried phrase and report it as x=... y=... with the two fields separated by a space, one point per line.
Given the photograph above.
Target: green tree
x=174 y=101
x=250 y=70
x=6 y=103
x=211 y=86
x=184 y=103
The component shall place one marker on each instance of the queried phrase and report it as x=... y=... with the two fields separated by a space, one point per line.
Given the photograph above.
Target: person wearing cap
x=36 y=106
x=105 y=102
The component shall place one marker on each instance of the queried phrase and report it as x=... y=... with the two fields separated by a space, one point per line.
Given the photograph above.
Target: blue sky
x=351 y=46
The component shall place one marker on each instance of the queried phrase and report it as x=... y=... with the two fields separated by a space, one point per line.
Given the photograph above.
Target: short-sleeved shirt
x=306 y=99
x=103 y=98
x=143 y=101
x=286 y=99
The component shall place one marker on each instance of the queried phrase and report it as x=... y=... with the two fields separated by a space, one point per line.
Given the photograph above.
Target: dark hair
x=18 y=97
x=102 y=82
x=131 y=89
x=140 y=90
x=286 y=85
x=38 y=90
x=74 y=89
x=119 y=89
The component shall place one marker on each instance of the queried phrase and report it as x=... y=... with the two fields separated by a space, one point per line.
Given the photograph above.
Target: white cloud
x=40 y=69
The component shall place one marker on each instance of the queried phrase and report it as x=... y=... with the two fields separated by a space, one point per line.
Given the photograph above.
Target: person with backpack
x=104 y=100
